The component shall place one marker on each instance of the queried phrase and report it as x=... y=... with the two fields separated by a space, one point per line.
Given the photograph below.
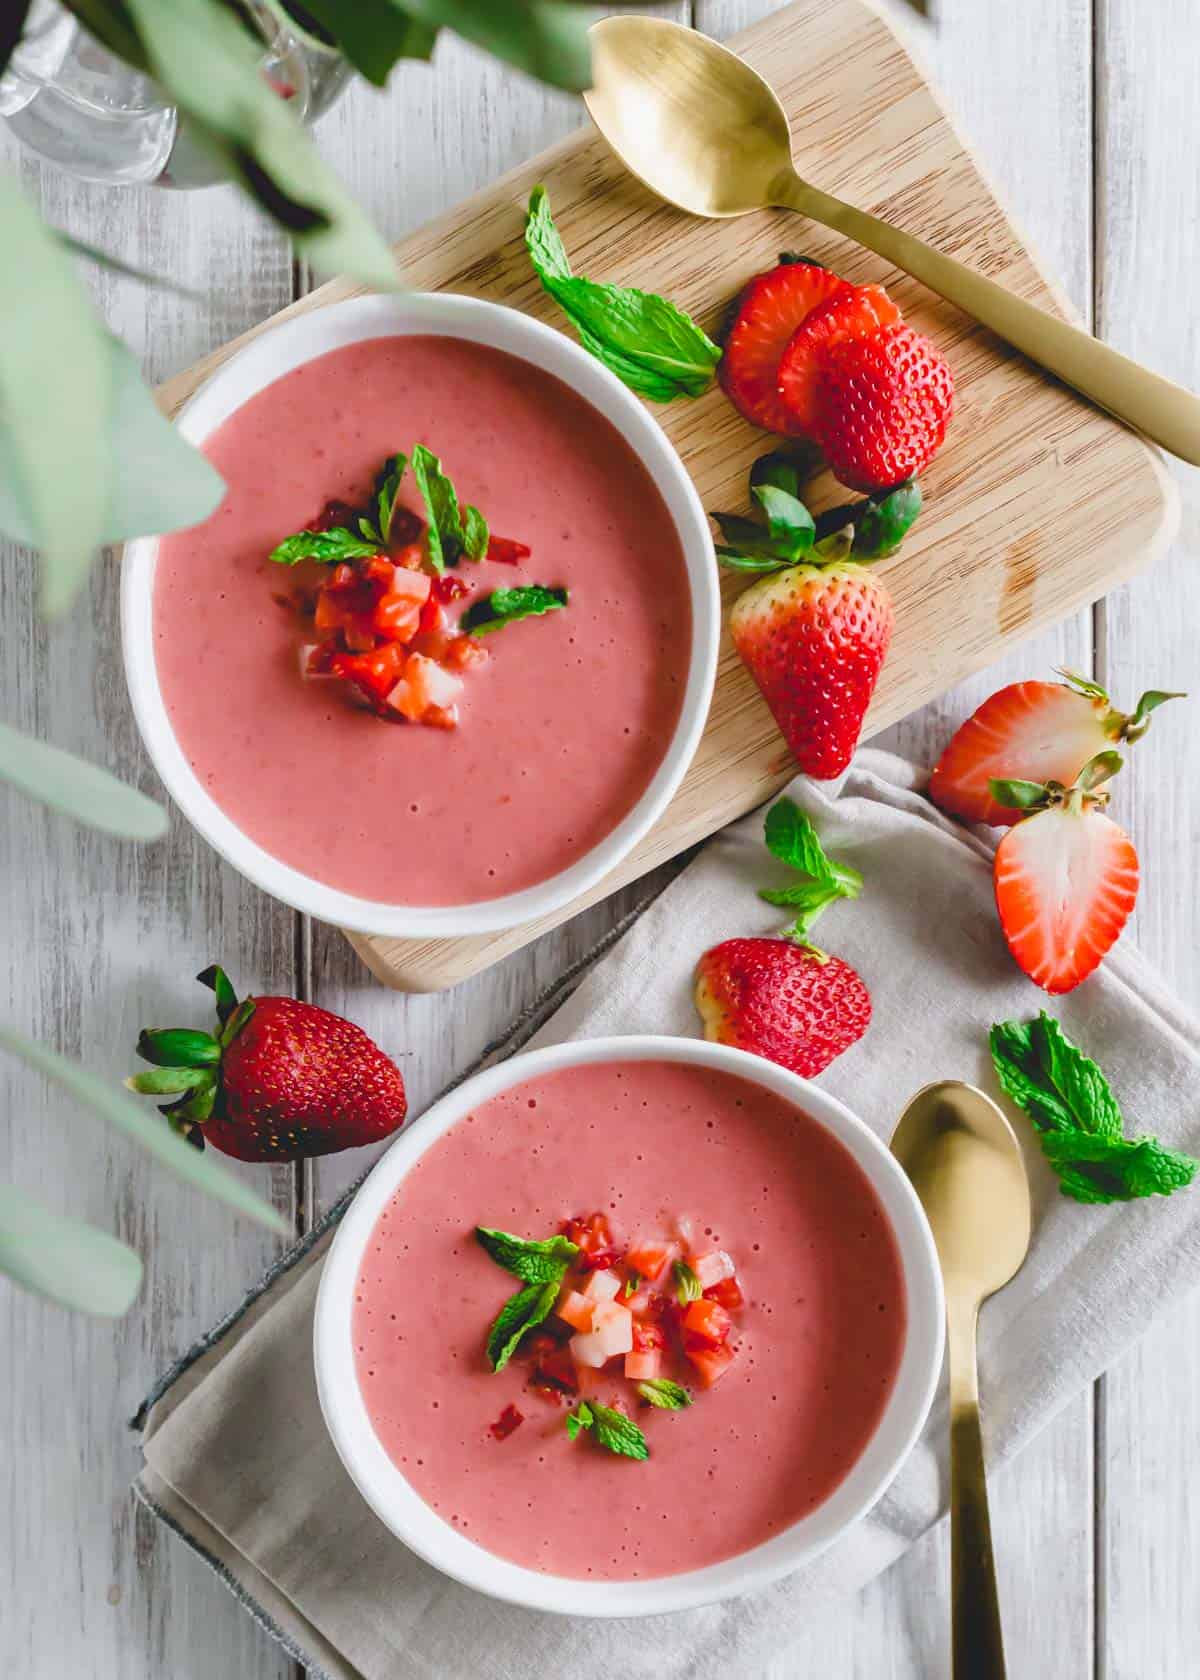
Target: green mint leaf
x=791 y=837
x=649 y=343
x=387 y=488
x=506 y=606
x=532 y=1262
x=789 y=523
x=687 y=1284
x=1078 y=1118
x=476 y=535
x=369 y=533
x=520 y=1313
x=666 y=1395
x=579 y=1420
x=1079 y=1082
x=617 y=1433
x=631 y=1285
x=445 y=535
x=328 y=547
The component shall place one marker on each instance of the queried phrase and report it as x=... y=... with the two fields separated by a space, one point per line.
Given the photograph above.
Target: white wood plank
x=1017 y=80
x=97 y=939
x=1148 y=213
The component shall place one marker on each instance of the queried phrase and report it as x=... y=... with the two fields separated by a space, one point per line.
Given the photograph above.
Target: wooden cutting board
x=1037 y=505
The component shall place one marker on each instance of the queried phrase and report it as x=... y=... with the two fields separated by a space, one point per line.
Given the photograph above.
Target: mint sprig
x=506 y=606
x=453 y=532
x=387 y=488
x=327 y=547
x=609 y=1428
x=666 y=1395
x=532 y=1262
x=1078 y=1119
x=648 y=342
x=521 y=1313
x=687 y=1284
x=791 y=837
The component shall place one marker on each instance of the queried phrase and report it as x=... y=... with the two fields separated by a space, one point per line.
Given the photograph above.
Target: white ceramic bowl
x=393 y=1500
x=288 y=346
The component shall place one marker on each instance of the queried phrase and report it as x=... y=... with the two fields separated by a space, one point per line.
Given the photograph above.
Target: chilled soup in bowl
x=727 y=1329
x=557 y=735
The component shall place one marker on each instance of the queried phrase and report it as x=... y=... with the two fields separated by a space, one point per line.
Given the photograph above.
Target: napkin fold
x=237 y=1460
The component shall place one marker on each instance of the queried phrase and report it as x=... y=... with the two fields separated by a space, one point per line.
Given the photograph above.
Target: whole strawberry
x=814 y=631
x=786 y=1002
x=882 y=404
x=782 y=998
x=280 y=1080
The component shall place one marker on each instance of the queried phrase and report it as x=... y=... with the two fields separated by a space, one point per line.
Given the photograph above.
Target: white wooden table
x=1085 y=111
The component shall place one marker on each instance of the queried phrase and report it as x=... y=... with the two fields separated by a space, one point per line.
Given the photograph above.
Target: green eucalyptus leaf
x=156 y=481
x=209 y=66
x=78 y=789
x=56 y=399
x=147 y=1129
x=65 y=1260
x=374 y=34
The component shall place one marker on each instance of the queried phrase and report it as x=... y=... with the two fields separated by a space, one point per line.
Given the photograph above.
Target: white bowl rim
x=406 y=1514
x=259 y=363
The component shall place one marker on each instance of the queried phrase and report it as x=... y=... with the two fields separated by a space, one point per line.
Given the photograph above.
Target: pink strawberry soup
x=557 y=734
x=787 y=1358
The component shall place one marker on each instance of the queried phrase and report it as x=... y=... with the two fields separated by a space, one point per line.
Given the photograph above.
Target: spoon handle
x=1155 y=406
x=978 y=1639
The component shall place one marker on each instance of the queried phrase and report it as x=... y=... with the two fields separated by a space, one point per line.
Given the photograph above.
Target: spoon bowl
x=965 y=1164
x=702 y=129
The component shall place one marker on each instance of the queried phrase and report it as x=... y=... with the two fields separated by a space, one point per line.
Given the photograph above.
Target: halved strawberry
x=850 y=312
x=1066 y=880
x=769 y=311
x=1037 y=731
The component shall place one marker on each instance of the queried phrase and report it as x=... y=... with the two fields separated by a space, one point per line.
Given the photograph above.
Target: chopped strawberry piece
x=591 y=1234
x=433 y=618
x=375 y=673
x=648 y=1338
x=705 y=1324
x=727 y=1294
x=649 y=1257
x=643 y=1367
x=554 y=1372
x=463 y=653
x=711 y=1364
x=410 y=557
x=423 y=689
x=448 y=588
x=602 y=1286
x=576 y=1309
x=510 y=1418
x=506 y=552
x=441 y=717
x=712 y=1267
x=318 y=659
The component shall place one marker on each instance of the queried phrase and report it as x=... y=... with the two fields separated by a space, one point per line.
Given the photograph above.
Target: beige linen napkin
x=236 y=1456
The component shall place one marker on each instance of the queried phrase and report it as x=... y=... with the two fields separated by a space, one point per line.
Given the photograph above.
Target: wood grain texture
x=1148 y=216
x=96 y=939
x=1016 y=532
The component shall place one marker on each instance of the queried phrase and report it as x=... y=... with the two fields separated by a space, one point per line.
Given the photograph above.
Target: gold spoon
x=703 y=130
x=966 y=1166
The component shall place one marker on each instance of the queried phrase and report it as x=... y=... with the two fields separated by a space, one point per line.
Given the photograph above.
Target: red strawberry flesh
x=769 y=311
x=850 y=312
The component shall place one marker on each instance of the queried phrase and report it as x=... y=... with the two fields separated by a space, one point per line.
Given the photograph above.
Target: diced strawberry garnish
x=510 y=1418
x=648 y=1257
x=507 y=552
x=433 y=618
x=705 y=1324
x=643 y=1367
x=441 y=717
x=711 y=1364
x=576 y=1309
x=712 y=1267
x=592 y=1236
x=375 y=674
x=424 y=688
x=554 y=1373
x=727 y=1294
x=448 y=588
x=463 y=653
x=648 y=1338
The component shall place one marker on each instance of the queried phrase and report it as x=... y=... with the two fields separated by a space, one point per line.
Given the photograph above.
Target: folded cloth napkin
x=236 y=1456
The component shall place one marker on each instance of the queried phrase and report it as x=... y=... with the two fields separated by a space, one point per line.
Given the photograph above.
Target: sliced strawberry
x=850 y=312
x=648 y=1257
x=509 y=1420
x=1035 y=732
x=769 y=311
x=883 y=403
x=1066 y=881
